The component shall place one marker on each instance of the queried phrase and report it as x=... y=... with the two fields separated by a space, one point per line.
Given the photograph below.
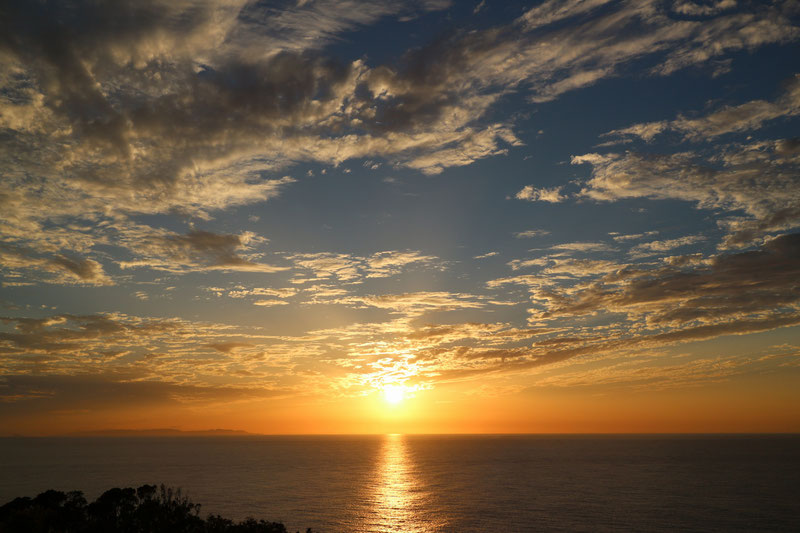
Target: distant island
x=147 y=509
x=161 y=432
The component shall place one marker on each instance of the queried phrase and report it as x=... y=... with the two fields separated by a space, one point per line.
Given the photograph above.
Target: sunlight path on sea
x=399 y=499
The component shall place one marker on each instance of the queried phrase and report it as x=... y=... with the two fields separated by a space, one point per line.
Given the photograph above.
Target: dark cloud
x=77 y=334
x=220 y=249
x=613 y=344
x=70 y=46
x=731 y=285
x=195 y=250
x=55 y=268
x=85 y=269
x=228 y=347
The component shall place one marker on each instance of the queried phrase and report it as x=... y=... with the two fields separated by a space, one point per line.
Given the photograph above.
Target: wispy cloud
x=744 y=117
x=658 y=247
x=197 y=250
x=530 y=193
x=529 y=234
x=705 y=293
x=52 y=268
x=356 y=268
x=757 y=179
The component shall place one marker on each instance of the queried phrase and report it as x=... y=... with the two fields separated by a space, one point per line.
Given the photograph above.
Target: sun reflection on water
x=400 y=502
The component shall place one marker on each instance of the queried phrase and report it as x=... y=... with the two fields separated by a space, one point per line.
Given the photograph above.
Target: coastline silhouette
x=147 y=509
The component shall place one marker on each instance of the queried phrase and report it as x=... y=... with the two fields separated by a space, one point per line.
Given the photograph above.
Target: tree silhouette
x=148 y=509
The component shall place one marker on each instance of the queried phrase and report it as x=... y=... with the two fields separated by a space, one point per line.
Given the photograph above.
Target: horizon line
x=228 y=433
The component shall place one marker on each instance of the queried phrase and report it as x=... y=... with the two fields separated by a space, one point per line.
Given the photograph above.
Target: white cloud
x=583 y=247
x=354 y=268
x=658 y=247
x=486 y=255
x=530 y=193
x=633 y=236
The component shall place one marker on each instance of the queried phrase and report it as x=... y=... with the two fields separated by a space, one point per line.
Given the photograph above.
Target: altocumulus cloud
x=119 y=108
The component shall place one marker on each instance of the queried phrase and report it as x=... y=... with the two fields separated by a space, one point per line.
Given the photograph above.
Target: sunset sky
x=333 y=216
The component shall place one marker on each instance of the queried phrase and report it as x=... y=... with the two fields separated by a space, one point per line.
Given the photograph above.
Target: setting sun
x=394 y=394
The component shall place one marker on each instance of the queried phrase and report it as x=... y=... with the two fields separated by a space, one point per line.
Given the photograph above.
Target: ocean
x=459 y=483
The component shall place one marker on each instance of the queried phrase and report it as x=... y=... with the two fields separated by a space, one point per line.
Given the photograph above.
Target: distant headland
x=160 y=432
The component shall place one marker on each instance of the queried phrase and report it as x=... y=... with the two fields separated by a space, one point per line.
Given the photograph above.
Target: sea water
x=440 y=483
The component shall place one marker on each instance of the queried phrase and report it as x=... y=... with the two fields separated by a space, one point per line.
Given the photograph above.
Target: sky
x=418 y=216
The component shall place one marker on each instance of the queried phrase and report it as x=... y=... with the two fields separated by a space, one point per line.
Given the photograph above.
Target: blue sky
x=262 y=207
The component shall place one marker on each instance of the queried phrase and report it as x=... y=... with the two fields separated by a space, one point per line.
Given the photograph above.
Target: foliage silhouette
x=148 y=509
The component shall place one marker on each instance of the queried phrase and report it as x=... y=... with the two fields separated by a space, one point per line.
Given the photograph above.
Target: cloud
x=739 y=31
x=552 y=195
x=389 y=263
x=186 y=359
x=657 y=247
x=228 y=347
x=528 y=280
x=86 y=270
x=444 y=83
x=517 y=264
x=54 y=268
x=728 y=286
x=595 y=47
x=555 y=265
x=592 y=348
x=196 y=250
x=415 y=302
x=219 y=249
x=314 y=24
x=168 y=351
x=663 y=373
x=632 y=236
x=77 y=335
x=549 y=12
x=759 y=179
x=270 y=302
x=686 y=7
x=329 y=265
x=744 y=117
x=583 y=247
x=242 y=292
x=194 y=107
x=528 y=234
x=356 y=268
x=581 y=267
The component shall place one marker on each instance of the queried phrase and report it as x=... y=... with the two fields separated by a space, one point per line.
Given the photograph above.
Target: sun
x=394 y=394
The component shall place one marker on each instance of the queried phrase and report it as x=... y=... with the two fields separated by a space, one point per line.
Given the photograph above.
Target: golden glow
x=400 y=495
x=394 y=394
